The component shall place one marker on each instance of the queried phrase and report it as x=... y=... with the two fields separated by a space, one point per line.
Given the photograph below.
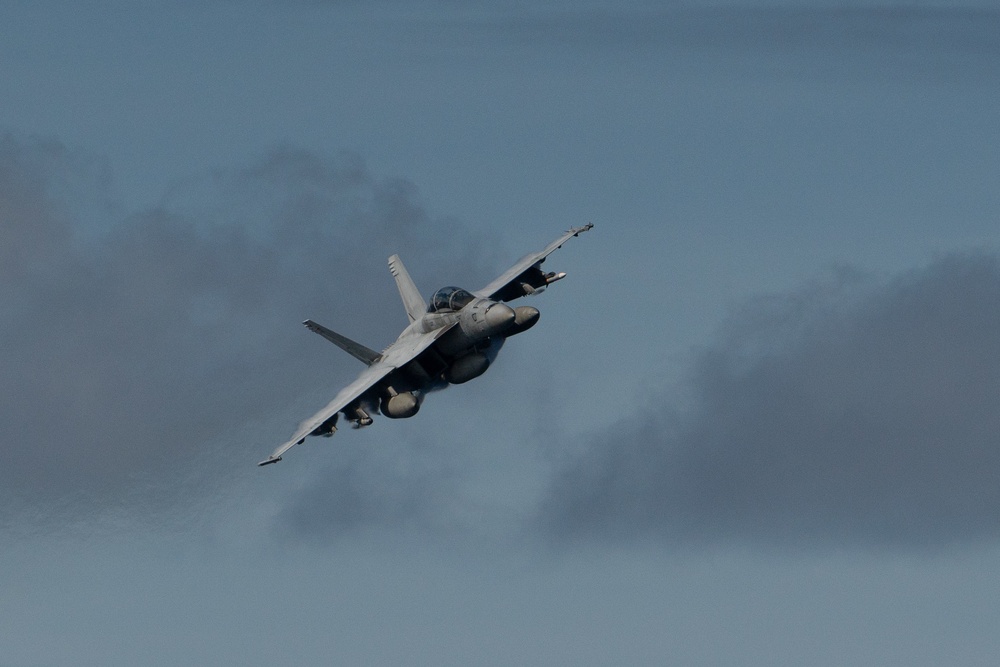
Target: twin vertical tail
x=412 y=301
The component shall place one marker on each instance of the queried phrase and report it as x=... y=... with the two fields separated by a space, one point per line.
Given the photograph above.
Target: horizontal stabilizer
x=356 y=350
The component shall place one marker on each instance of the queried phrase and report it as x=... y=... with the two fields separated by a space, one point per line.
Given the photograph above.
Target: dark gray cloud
x=148 y=357
x=400 y=484
x=848 y=413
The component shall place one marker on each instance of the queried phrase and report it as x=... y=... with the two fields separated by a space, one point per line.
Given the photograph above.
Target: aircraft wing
x=397 y=355
x=368 y=379
x=526 y=277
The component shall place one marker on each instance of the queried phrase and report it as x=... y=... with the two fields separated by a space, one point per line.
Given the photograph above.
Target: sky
x=756 y=424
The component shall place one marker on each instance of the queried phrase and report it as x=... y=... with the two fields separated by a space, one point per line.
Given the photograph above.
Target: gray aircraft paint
x=448 y=342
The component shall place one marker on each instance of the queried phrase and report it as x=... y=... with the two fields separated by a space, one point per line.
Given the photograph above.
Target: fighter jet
x=450 y=341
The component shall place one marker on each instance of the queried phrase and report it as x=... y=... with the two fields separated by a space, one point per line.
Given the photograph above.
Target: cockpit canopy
x=450 y=298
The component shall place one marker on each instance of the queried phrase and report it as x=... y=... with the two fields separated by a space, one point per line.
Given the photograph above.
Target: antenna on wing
x=412 y=301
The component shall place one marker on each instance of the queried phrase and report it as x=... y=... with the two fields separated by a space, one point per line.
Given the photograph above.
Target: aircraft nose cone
x=500 y=317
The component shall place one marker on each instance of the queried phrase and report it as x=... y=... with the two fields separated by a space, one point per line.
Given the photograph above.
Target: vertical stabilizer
x=414 y=303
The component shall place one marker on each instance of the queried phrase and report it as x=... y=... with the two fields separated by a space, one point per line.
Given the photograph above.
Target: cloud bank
x=847 y=413
x=151 y=358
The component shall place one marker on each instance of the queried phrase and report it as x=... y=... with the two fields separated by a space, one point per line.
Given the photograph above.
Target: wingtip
x=269 y=460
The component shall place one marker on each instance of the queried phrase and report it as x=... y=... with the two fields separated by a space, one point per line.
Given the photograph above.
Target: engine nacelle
x=525 y=317
x=400 y=406
x=486 y=318
x=466 y=368
x=477 y=322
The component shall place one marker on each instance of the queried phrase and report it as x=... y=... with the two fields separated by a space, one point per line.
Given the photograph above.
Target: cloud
x=399 y=484
x=146 y=356
x=850 y=412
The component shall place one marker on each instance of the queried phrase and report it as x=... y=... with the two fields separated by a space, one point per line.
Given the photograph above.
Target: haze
x=756 y=424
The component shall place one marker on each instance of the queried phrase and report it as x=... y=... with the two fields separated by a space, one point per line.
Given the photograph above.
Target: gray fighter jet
x=449 y=342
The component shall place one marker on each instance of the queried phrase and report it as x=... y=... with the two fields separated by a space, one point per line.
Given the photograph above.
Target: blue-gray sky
x=755 y=425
